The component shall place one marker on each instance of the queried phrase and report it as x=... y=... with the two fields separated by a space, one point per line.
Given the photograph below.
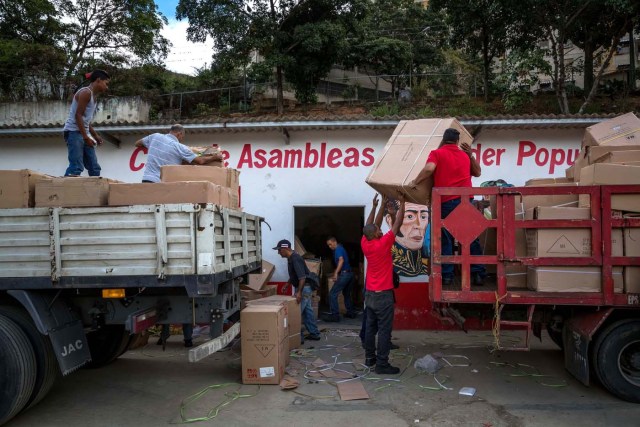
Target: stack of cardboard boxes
x=256 y=286
x=610 y=155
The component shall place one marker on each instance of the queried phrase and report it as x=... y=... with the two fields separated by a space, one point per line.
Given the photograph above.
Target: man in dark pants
x=300 y=278
x=343 y=279
x=379 y=299
x=452 y=166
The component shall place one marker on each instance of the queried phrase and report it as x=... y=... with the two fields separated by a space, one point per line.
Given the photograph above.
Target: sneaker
x=387 y=370
x=394 y=346
x=370 y=362
x=313 y=337
x=478 y=280
x=188 y=343
x=331 y=318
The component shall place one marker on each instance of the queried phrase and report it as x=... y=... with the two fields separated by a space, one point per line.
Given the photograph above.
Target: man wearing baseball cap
x=300 y=278
x=452 y=166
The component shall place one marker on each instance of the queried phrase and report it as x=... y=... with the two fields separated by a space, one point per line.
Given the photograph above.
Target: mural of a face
x=416 y=218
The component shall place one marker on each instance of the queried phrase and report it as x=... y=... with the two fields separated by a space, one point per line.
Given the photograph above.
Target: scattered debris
x=467 y=391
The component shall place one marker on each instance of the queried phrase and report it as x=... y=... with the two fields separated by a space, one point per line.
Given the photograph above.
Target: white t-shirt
x=163 y=149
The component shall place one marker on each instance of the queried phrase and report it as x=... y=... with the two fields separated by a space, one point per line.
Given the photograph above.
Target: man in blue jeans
x=78 y=133
x=452 y=166
x=300 y=278
x=343 y=282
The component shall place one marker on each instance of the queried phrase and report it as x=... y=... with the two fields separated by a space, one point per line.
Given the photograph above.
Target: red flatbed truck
x=599 y=331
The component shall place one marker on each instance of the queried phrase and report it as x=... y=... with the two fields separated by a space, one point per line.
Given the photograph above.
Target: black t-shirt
x=297 y=269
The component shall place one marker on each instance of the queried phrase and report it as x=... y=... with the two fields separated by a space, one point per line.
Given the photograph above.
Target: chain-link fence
x=261 y=97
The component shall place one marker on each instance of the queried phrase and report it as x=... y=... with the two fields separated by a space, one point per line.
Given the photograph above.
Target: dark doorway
x=314 y=224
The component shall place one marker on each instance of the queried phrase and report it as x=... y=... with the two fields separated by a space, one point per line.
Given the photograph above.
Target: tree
x=485 y=28
x=287 y=35
x=118 y=31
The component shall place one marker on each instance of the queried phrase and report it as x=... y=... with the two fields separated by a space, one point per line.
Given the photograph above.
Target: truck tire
x=107 y=344
x=47 y=371
x=17 y=369
x=616 y=359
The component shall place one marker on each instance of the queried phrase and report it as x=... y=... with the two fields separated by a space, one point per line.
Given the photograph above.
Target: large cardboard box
x=73 y=192
x=516 y=276
x=612 y=174
x=225 y=177
x=530 y=202
x=247 y=295
x=298 y=247
x=258 y=280
x=620 y=157
x=169 y=192
x=265 y=340
x=405 y=155
x=620 y=131
x=293 y=312
x=631 y=238
x=564 y=242
x=314 y=265
x=570 y=279
x=542 y=182
x=18 y=188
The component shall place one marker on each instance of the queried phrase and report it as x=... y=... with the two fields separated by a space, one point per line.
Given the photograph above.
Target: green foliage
x=385 y=110
x=426 y=111
x=519 y=75
x=202 y=110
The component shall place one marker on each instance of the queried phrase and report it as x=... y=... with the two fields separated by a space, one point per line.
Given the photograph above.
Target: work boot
x=387 y=370
x=370 y=362
x=331 y=318
x=394 y=346
x=313 y=337
x=478 y=280
x=188 y=343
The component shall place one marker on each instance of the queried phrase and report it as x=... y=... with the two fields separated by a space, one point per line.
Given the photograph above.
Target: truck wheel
x=17 y=369
x=106 y=344
x=47 y=370
x=617 y=359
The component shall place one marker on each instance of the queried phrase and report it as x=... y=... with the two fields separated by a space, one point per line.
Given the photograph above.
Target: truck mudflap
x=577 y=335
x=53 y=318
x=208 y=348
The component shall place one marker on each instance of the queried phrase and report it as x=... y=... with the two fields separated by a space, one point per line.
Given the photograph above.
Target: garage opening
x=312 y=227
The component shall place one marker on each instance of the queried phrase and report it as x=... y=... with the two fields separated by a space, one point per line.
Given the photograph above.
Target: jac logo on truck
x=71 y=347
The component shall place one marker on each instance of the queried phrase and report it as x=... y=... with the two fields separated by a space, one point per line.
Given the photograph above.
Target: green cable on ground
x=231 y=397
x=534 y=374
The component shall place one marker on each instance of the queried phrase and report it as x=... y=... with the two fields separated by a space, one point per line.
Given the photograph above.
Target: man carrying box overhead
x=168 y=149
x=300 y=278
x=452 y=166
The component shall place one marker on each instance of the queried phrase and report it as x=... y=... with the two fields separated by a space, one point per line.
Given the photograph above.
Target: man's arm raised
x=372 y=214
x=399 y=218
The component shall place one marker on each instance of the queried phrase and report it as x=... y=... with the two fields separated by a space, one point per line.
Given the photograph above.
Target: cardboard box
x=73 y=192
x=258 y=280
x=169 y=192
x=530 y=202
x=564 y=242
x=570 y=279
x=293 y=312
x=516 y=276
x=631 y=238
x=620 y=157
x=298 y=247
x=342 y=308
x=591 y=154
x=247 y=295
x=542 y=182
x=620 y=131
x=225 y=177
x=612 y=174
x=265 y=340
x=405 y=155
x=314 y=265
x=18 y=188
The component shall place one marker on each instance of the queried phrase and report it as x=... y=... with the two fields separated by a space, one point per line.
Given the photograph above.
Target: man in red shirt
x=452 y=166
x=379 y=299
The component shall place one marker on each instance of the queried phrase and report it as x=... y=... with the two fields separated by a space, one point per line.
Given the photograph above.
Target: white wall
x=272 y=192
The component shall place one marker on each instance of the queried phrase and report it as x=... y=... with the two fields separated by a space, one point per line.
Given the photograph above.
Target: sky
x=185 y=56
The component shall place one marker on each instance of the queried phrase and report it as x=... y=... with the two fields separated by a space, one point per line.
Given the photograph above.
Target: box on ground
x=570 y=279
x=265 y=341
x=171 y=192
x=225 y=177
x=612 y=174
x=258 y=280
x=73 y=191
x=293 y=312
x=564 y=242
x=18 y=188
x=631 y=236
x=620 y=131
x=405 y=155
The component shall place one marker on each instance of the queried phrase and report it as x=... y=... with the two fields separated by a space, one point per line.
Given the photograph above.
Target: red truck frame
x=599 y=331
